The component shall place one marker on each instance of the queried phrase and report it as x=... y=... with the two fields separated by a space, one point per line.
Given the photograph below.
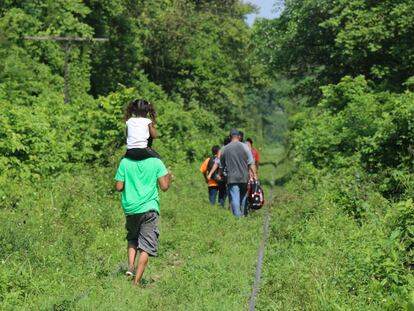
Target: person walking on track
x=238 y=160
x=215 y=183
x=139 y=181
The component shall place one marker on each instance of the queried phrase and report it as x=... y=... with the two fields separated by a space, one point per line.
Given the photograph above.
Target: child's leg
x=212 y=195
x=222 y=193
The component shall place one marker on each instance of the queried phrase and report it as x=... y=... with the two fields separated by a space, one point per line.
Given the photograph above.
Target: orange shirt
x=203 y=170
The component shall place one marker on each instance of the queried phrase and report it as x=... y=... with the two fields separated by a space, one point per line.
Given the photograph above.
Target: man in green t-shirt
x=139 y=181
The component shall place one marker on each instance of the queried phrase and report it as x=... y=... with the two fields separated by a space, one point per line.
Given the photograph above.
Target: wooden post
x=66 y=73
x=67 y=41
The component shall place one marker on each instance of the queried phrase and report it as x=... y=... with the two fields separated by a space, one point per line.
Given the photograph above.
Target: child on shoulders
x=140 y=130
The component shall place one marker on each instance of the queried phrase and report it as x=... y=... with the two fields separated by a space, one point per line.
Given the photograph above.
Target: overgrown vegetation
x=63 y=248
x=188 y=58
x=342 y=230
x=343 y=225
x=61 y=240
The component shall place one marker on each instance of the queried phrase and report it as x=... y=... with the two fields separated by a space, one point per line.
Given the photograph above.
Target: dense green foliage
x=319 y=42
x=345 y=221
x=61 y=240
x=354 y=125
x=343 y=224
x=187 y=57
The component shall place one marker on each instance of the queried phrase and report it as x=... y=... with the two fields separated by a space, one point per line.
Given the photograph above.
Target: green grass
x=64 y=248
x=319 y=258
x=206 y=259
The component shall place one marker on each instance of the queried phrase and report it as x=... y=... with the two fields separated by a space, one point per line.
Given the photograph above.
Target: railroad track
x=260 y=253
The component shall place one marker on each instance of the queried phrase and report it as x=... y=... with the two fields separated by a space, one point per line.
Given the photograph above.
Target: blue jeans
x=222 y=194
x=237 y=196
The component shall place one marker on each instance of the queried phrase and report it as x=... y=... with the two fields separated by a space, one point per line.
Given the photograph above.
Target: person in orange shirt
x=215 y=184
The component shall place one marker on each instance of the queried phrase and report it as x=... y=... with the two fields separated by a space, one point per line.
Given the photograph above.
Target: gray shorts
x=143 y=231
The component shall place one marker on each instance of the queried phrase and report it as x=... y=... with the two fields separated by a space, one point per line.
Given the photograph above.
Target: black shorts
x=141 y=154
x=142 y=231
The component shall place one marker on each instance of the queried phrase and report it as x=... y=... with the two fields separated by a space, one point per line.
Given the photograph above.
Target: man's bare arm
x=213 y=169
x=252 y=171
x=119 y=185
x=165 y=181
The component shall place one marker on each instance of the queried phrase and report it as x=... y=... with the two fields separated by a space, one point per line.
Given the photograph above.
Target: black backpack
x=210 y=164
x=255 y=195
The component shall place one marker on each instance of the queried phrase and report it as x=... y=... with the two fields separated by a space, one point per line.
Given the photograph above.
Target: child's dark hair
x=139 y=108
x=215 y=150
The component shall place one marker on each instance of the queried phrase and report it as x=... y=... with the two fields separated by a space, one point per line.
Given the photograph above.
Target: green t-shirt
x=140 y=179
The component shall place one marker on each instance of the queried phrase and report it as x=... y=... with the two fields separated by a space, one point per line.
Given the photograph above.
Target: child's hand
x=152 y=116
